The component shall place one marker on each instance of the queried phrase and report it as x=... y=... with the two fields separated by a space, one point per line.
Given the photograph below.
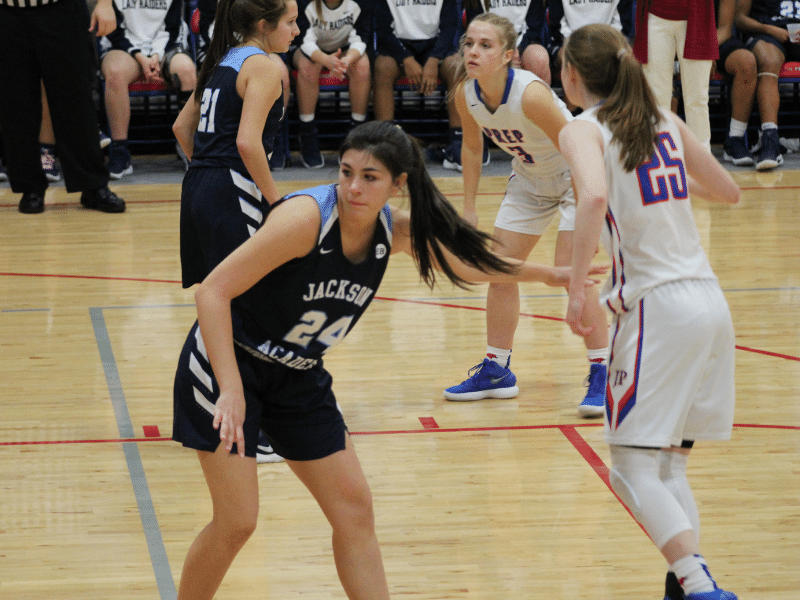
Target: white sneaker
x=264 y=451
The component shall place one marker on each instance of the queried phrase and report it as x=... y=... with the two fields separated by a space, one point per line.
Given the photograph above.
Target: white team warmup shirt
x=588 y=12
x=336 y=30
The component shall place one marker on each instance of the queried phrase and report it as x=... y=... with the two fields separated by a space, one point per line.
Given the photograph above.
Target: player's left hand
x=577 y=300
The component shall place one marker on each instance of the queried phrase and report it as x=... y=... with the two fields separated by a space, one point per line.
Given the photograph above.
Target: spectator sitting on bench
x=145 y=44
x=420 y=41
x=764 y=22
x=333 y=36
x=738 y=64
x=565 y=17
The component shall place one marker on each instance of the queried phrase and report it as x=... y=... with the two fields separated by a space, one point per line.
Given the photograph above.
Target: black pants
x=49 y=43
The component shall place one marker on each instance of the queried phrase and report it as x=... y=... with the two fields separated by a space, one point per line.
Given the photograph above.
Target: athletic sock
x=737 y=128
x=499 y=355
x=597 y=357
x=693 y=575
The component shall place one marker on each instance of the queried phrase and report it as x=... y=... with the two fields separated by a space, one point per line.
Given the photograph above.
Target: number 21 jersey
x=221 y=112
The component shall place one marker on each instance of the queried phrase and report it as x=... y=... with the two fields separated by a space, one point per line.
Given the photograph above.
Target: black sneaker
x=310 y=154
x=452 y=156
x=770 y=156
x=736 y=152
x=31 y=203
x=104 y=200
x=279 y=159
x=119 y=161
x=672 y=588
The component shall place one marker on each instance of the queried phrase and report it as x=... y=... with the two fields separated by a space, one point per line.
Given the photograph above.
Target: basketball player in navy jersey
x=228 y=132
x=671 y=365
x=267 y=314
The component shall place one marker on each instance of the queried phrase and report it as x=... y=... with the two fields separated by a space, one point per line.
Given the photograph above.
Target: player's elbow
x=247 y=148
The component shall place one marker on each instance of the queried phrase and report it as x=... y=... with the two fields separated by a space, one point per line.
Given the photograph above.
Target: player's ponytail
x=434 y=221
x=235 y=22
x=605 y=62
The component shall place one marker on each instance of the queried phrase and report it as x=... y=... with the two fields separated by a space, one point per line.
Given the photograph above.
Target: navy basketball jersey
x=775 y=12
x=220 y=113
x=306 y=306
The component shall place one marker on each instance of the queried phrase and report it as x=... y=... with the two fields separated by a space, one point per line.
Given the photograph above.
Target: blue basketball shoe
x=594 y=404
x=717 y=594
x=486 y=380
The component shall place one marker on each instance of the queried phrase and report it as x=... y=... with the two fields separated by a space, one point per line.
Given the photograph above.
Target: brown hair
x=318 y=8
x=506 y=33
x=235 y=21
x=604 y=60
x=434 y=221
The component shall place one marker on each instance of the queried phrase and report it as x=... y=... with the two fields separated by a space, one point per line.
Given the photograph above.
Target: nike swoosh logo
x=324 y=251
x=266 y=450
x=498 y=379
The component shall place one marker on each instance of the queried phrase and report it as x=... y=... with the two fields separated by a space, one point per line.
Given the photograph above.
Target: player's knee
x=624 y=490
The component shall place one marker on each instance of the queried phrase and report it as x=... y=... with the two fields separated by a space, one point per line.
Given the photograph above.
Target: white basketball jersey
x=576 y=15
x=650 y=233
x=534 y=153
x=515 y=11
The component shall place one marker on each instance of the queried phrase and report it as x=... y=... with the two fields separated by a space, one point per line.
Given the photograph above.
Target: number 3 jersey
x=302 y=308
x=649 y=234
x=221 y=112
x=534 y=153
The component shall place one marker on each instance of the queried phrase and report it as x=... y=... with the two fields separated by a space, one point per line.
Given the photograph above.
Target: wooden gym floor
x=500 y=499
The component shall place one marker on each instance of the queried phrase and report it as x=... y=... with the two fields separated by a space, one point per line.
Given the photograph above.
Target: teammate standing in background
x=227 y=130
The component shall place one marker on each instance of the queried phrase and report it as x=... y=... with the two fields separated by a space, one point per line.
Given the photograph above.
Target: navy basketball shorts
x=296 y=410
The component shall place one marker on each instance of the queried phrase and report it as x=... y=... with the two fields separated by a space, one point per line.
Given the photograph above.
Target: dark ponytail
x=605 y=62
x=434 y=221
x=235 y=22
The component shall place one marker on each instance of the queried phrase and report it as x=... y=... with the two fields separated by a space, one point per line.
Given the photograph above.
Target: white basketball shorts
x=530 y=204
x=671 y=368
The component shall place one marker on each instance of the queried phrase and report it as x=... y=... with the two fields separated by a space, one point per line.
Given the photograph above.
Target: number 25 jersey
x=650 y=233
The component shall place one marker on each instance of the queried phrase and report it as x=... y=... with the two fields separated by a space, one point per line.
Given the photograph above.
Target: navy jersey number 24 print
x=663 y=177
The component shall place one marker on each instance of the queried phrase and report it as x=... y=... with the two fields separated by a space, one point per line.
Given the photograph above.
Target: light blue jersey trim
x=236 y=56
x=325 y=195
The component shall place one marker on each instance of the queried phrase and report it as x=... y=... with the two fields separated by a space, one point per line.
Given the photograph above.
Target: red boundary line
x=388 y=432
x=594 y=461
x=384 y=298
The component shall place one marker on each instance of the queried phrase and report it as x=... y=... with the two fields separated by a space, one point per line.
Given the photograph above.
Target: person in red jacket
x=669 y=28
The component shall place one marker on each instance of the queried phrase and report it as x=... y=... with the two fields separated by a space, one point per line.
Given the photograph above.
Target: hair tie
x=621 y=52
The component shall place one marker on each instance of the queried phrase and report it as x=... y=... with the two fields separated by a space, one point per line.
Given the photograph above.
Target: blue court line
x=152 y=532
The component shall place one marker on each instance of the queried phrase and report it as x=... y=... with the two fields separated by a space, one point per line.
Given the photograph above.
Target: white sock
x=307 y=118
x=768 y=125
x=499 y=355
x=737 y=129
x=693 y=575
x=358 y=117
x=597 y=357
